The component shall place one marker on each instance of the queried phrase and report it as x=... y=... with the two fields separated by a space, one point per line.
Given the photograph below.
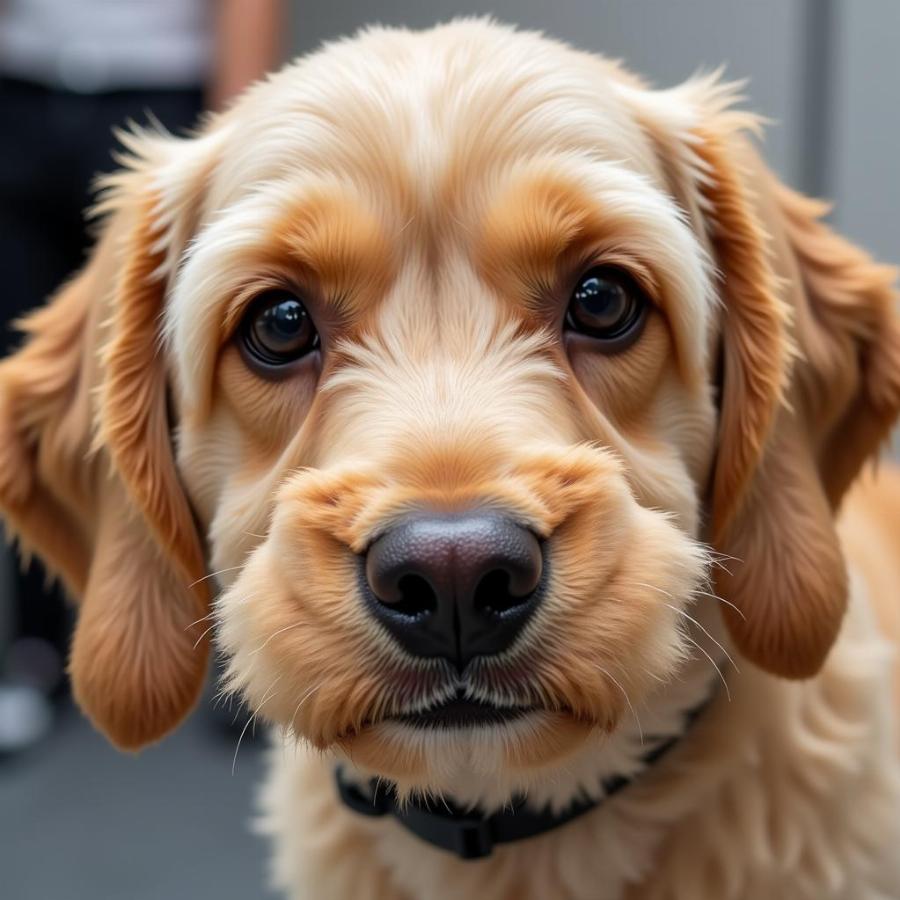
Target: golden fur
x=432 y=195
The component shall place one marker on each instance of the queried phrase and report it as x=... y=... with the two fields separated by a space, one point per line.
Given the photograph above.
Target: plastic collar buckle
x=474 y=838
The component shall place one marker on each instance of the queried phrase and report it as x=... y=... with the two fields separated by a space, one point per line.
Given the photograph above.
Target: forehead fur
x=422 y=113
x=417 y=148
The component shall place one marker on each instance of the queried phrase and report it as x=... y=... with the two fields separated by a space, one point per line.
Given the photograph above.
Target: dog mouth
x=463 y=712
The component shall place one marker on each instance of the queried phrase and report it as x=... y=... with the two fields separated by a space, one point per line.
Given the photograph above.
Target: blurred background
x=78 y=820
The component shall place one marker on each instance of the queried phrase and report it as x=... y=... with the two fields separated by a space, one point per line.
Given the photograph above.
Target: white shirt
x=99 y=45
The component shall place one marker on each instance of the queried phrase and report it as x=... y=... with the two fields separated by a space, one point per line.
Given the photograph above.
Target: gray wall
x=864 y=131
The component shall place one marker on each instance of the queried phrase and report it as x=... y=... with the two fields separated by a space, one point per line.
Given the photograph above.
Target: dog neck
x=473 y=834
x=481 y=812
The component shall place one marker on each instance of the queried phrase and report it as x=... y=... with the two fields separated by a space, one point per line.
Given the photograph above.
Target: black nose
x=455 y=586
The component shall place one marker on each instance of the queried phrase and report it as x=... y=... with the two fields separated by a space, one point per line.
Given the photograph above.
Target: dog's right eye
x=277 y=329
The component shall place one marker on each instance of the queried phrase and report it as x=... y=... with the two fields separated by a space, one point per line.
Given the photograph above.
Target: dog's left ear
x=808 y=376
x=87 y=471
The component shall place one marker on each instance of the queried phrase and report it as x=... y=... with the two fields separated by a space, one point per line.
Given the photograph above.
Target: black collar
x=471 y=834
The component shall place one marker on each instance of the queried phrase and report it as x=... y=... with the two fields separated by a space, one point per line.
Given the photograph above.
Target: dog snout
x=456 y=586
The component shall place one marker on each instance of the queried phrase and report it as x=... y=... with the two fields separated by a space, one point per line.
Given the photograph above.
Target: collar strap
x=470 y=833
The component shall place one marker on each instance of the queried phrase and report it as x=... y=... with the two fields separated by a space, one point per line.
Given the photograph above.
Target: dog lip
x=463 y=712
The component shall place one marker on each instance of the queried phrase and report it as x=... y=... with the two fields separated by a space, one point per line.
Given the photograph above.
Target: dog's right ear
x=87 y=474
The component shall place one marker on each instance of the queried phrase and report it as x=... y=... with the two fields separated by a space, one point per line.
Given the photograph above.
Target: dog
x=521 y=419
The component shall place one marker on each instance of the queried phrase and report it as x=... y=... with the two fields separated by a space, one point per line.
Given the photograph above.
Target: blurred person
x=70 y=72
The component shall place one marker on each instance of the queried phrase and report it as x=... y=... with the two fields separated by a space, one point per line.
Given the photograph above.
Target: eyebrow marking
x=332 y=235
x=554 y=214
x=533 y=223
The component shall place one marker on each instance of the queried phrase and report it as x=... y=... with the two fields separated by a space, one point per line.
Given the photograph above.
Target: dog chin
x=419 y=755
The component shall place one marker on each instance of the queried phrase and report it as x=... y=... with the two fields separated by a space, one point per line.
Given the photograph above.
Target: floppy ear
x=809 y=380
x=773 y=509
x=87 y=475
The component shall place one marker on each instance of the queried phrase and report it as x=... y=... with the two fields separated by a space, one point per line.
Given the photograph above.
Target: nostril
x=416 y=596
x=493 y=593
x=454 y=586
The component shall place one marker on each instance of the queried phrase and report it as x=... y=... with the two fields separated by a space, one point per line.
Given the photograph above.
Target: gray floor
x=79 y=821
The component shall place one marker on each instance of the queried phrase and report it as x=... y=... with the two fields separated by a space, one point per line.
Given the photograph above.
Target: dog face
x=453 y=355
x=448 y=388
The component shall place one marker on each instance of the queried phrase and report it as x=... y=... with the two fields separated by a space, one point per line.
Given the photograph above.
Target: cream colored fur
x=788 y=791
x=433 y=197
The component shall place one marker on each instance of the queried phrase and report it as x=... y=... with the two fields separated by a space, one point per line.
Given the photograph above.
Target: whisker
x=681 y=612
x=377 y=785
x=236 y=749
x=721 y=600
x=201 y=619
x=627 y=699
x=205 y=633
x=249 y=722
x=696 y=591
x=221 y=696
x=652 y=587
x=213 y=575
x=717 y=555
x=237 y=712
x=266 y=696
x=303 y=700
x=274 y=635
x=716 y=558
x=655 y=677
x=690 y=640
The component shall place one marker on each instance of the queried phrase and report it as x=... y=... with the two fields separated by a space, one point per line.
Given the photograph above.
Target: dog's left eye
x=607 y=304
x=278 y=329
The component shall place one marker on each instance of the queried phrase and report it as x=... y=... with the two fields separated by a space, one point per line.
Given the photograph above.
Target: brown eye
x=607 y=305
x=277 y=329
